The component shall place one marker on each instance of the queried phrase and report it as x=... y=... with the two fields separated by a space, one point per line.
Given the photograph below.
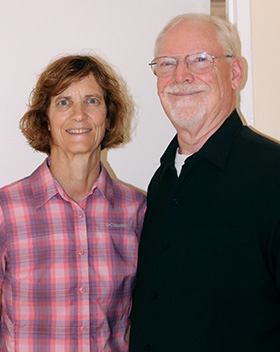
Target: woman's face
x=77 y=118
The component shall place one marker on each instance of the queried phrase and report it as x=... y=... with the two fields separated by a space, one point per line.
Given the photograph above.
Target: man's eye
x=201 y=59
x=167 y=63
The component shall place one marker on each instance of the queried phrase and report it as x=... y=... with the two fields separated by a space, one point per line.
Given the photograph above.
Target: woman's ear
x=107 y=123
x=48 y=121
x=237 y=69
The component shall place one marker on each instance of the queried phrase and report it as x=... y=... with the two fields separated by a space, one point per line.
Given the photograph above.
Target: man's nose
x=182 y=73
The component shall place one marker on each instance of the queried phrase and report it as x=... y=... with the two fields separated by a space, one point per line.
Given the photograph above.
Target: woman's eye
x=63 y=102
x=92 y=101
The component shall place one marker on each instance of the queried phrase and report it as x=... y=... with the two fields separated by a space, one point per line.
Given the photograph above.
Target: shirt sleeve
x=276 y=254
x=3 y=247
x=140 y=215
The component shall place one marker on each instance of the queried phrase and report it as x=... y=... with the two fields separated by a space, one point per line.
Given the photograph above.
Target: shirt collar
x=44 y=186
x=104 y=184
x=216 y=148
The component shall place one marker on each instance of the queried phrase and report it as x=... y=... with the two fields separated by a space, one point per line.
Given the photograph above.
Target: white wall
x=238 y=13
x=121 y=31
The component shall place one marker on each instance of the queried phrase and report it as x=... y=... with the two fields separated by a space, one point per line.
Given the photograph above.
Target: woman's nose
x=78 y=112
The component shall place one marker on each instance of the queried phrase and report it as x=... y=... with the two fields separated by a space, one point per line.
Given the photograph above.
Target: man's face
x=191 y=99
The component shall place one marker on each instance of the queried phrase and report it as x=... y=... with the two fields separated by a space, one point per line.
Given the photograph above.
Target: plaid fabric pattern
x=67 y=271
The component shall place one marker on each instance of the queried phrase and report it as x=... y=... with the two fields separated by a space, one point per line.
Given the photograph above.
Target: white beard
x=186 y=111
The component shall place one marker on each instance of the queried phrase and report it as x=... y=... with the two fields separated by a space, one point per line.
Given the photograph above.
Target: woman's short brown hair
x=57 y=77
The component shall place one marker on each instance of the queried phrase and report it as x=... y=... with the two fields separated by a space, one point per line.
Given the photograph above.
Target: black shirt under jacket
x=209 y=262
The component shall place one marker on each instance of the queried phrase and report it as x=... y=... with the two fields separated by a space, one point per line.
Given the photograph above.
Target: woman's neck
x=76 y=174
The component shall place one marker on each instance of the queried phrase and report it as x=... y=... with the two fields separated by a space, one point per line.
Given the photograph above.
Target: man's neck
x=191 y=139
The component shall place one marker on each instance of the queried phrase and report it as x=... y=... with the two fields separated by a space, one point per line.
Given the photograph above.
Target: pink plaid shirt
x=67 y=270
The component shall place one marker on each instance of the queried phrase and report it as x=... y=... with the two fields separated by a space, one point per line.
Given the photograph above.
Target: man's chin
x=186 y=121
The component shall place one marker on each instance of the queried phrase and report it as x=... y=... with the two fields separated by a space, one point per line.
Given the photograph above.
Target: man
x=209 y=261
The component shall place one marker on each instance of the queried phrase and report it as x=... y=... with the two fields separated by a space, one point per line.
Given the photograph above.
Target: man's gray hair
x=227 y=33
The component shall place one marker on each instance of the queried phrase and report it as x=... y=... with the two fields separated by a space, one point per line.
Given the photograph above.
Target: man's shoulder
x=257 y=157
x=258 y=144
x=257 y=138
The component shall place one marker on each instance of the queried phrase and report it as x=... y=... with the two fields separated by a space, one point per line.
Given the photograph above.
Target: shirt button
x=81 y=252
x=154 y=295
x=83 y=328
x=82 y=289
x=147 y=348
x=80 y=214
x=165 y=246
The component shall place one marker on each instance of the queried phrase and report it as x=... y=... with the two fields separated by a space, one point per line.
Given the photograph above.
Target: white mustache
x=184 y=88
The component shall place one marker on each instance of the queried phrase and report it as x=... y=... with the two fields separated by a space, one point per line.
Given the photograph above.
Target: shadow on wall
x=104 y=159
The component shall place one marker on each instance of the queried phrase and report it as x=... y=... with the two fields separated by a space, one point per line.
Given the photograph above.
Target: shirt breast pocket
x=113 y=250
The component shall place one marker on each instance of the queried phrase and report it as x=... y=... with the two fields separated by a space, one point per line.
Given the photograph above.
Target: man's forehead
x=190 y=36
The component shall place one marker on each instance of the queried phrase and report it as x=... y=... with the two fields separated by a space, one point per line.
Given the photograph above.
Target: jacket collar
x=216 y=148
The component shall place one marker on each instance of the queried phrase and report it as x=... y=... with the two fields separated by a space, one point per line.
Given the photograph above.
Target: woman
x=69 y=233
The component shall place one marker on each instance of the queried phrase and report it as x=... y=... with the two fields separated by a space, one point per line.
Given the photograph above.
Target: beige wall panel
x=265 y=30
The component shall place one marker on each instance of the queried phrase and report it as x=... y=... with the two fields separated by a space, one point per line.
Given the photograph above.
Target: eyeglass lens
x=197 y=63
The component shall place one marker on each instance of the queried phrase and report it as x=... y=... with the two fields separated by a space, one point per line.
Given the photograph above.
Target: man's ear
x=237 y=69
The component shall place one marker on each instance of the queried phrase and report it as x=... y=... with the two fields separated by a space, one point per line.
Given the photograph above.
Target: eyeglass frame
x=152 y=63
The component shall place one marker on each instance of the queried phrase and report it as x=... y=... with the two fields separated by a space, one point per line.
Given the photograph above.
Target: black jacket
x=209 y=261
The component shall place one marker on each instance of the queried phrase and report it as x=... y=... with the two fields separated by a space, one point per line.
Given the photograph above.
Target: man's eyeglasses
x=196 y=63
